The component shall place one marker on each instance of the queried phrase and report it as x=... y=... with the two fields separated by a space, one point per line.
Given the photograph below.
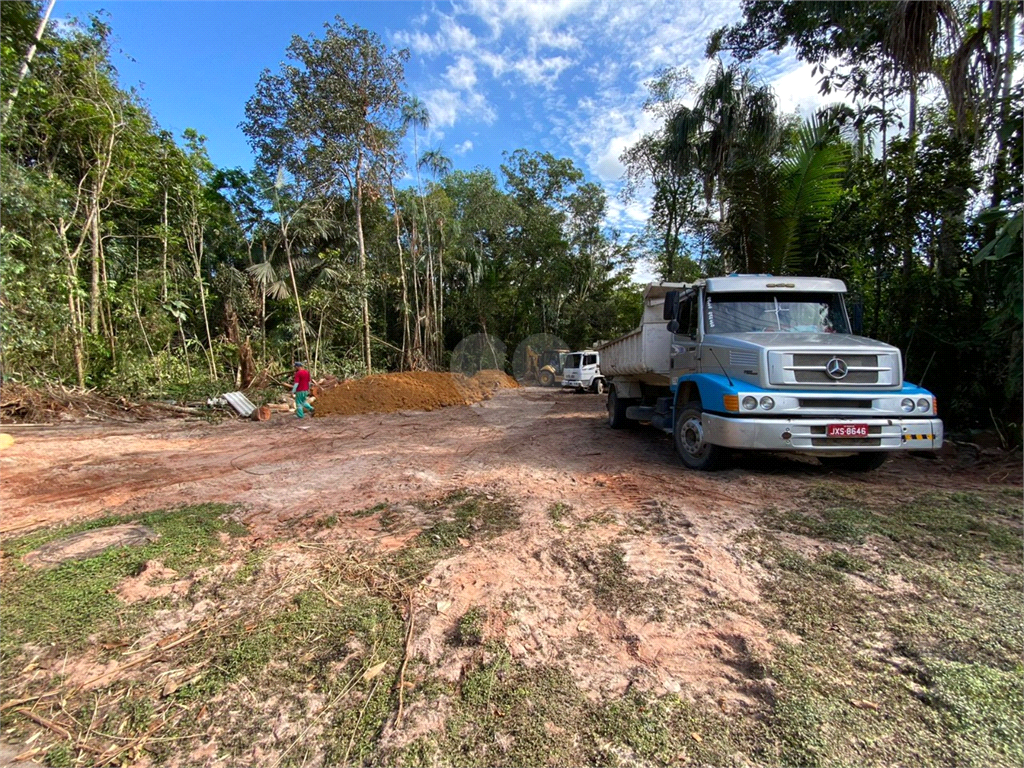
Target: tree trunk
x=405 y=287
x=94 y=288
x=365 y=302
x=163 y=241
x=26 y=63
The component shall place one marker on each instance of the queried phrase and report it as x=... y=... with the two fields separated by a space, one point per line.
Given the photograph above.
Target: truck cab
x=582 y=372
x=756 y=362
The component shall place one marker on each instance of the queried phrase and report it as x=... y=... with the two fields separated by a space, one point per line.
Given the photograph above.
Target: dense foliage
x=909 y=189
x=132 y=263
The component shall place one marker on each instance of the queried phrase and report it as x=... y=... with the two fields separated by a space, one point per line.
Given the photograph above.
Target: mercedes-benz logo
x=836 y=368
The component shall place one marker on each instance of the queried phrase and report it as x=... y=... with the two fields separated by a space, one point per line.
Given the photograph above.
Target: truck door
x=685 y=343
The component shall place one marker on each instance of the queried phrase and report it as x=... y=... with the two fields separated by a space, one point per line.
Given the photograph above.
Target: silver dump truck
x=755 y=362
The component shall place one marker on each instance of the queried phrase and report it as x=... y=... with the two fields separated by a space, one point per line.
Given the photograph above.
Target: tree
x=329 y=120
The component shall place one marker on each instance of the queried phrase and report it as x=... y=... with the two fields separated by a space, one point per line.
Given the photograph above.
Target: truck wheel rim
x=692 y=433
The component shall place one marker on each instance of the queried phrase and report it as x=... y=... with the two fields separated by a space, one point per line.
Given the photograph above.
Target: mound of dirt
x=414 y=391
x=495 y=380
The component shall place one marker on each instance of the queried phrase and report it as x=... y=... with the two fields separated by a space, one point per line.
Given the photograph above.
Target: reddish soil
x=537 y=447
x=418 y=390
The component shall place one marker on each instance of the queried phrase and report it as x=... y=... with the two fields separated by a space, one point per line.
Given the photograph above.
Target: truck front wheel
x=616 y=410
x=692 y=445
x=859 y=462
x=597 y=387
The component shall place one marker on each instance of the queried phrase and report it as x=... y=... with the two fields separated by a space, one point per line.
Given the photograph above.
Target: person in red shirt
x=300 y=388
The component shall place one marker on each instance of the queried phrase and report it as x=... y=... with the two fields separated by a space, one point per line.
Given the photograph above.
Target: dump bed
x=647 y=350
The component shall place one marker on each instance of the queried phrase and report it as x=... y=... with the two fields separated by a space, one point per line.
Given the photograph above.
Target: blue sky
x=561 y=76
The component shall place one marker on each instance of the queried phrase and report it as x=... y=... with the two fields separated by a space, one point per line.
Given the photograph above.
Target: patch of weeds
x=254 y=560
x=507 y=714
x=470 y=629
x=983 y=707
x=810 y=596
x=936 y=524
x=605 y=574
x=503 y=713
x=463 y=516
x=558 y=510
x=60 y=756
x=390 y=519
x=370 y=511
x=138 y=713
x=844 y=561
x=65 y=604
x=311 y=621
x=606 y=517
x=323 y=523
x=639 y=729
x=957 y=696
x=962 y=612
x=830 y=492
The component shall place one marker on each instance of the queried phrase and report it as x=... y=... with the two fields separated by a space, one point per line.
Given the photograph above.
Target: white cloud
x=461 y=74
x=541 y=71
x=463 y=148
x=452 y=37
x=797 y=91
x=446 y=107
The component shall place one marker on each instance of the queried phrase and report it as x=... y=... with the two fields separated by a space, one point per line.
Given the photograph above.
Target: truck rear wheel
x=617 y=410
x=691 y=444
x=859 y=462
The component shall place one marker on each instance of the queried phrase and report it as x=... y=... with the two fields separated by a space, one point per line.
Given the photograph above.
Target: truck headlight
x=750 y=403
x=767 y=403
x=924 y=405
x=907 y=405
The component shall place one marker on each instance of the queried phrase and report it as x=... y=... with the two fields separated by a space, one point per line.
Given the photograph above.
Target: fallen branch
x=405 y=660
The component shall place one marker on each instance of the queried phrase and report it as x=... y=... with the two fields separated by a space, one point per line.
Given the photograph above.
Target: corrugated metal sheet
x=240 y=403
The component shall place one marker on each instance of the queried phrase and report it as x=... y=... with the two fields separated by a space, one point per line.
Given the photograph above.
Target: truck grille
x=834 y=402
x=810 y=368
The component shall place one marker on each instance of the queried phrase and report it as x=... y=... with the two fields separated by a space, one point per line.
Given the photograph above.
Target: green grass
x=503 y=712
x=460 y=516
x=931 y=674
x=65 y=605
x=933 y=524
x=558 y=510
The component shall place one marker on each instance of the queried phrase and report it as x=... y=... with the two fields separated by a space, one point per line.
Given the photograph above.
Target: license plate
x=847 y=430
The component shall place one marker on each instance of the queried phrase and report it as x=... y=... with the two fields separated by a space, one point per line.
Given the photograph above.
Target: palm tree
x=728 y=138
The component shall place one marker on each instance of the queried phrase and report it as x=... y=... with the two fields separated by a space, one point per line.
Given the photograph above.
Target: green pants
x=301 y=404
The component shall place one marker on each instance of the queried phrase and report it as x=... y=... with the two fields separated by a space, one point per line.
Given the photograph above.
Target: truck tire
x=694 y=451
x=616 y=410
x=546 y=378
x=859 y=462
x=598 y=387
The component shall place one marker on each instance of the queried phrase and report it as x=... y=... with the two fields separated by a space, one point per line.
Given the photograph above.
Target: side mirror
x=673 y=326
x=671 y=306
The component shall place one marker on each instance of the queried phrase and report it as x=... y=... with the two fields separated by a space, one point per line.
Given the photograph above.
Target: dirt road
x=542 y=445
x=579 y=485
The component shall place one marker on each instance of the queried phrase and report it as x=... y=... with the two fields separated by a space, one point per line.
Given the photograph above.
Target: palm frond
x=263 y=272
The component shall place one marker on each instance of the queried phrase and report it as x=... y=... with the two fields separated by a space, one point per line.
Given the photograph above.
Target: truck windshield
x=572 y=361
x=767 y=312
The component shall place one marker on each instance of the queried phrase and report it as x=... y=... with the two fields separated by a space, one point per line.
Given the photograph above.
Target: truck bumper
x=809 y=435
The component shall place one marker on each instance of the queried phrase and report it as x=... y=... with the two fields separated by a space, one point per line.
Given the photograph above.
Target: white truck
x=582 y=372
x=755 y=362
